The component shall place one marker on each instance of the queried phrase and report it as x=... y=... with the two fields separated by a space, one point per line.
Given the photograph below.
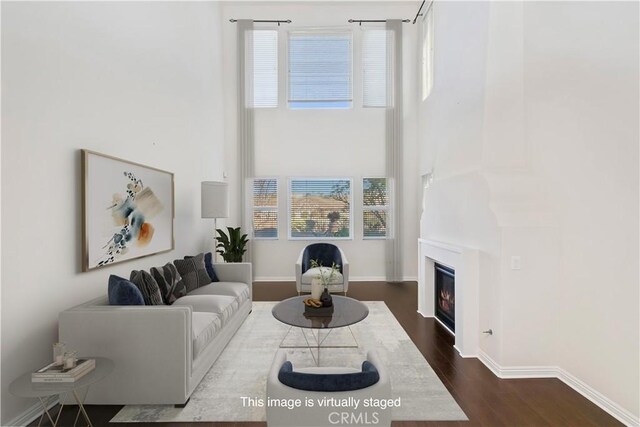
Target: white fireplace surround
x=465 y=262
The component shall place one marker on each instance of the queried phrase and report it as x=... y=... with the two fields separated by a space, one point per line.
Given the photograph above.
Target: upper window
x=265 y=208
x=265 y=69
x=426 y=59
x=375 y=205
x=320 y=69
x=374 y=68
x=320 y=208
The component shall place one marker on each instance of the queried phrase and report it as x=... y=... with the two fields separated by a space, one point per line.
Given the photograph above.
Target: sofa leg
x=182 y=405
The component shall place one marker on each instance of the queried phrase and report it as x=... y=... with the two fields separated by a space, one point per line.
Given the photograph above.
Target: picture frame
x=128 y=210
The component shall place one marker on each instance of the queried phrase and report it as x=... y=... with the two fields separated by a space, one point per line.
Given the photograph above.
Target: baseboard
x=606 y=404
x=599 y=399
x=274 y=279
x=31 y=414
x=351 y=279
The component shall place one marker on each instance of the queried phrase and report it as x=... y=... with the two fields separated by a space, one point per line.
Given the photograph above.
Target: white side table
x=46 y=392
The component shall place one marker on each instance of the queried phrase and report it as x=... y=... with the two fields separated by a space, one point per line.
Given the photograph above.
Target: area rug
x=242 y=369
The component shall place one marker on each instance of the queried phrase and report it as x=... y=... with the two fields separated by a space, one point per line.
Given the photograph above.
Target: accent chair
x=326 y=254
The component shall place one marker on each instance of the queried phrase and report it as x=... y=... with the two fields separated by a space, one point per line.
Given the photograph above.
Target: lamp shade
x=214 y=199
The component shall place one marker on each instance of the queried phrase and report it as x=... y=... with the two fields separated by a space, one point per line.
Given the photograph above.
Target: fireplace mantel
x=465 y=262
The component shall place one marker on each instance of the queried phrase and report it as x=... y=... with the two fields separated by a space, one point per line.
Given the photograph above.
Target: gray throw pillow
x=148 y=287
x=170 y=282
x=193 y=272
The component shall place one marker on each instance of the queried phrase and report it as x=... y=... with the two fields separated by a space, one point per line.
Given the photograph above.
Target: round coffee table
x=346 y=312
x=44 y=392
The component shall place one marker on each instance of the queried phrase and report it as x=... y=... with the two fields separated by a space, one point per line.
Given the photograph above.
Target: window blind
x=320 y=208
x=265 y=208
x=375 y=204
x=374 y=67
x=265 y=68
x=320 y=70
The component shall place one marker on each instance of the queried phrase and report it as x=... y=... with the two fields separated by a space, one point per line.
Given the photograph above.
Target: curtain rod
x=274 y=21
x=360 y=21
x=420 y=10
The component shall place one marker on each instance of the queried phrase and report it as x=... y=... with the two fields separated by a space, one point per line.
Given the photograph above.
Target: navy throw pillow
x=208 y=264
x=123 y=292
x=329 y=382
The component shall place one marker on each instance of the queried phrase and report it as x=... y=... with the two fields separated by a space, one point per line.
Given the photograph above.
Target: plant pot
x=316 y=288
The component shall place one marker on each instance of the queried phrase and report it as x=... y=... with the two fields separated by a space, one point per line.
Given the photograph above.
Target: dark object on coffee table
x=318 y=312
x=325 y=298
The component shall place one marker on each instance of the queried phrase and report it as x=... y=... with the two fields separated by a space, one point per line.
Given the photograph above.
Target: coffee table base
x=315 y=341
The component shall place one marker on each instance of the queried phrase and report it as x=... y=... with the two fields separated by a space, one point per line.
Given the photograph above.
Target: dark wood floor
x=487 y=400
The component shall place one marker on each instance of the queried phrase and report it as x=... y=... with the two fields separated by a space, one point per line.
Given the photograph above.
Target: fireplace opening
x=445 y=296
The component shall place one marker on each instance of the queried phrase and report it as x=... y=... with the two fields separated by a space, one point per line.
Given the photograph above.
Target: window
x=375 y=201
x=265 y=69
x=374 y=68
x=426 y=59
x=320 y=70
x=320 y=208
x=265 y=208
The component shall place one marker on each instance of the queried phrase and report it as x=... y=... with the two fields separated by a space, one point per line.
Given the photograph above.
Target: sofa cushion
x=204 y=328
x=148 y=287
x=329 y=381
x=123 y=292
x=223 y=305
x=235 y=289
x=308 y=275
x=170 y=282
x=193 y=272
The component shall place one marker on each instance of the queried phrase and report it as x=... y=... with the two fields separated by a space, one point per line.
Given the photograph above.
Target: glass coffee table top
x=346 y=311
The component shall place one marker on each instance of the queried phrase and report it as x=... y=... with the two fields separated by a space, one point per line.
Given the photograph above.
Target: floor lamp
x=214 y=197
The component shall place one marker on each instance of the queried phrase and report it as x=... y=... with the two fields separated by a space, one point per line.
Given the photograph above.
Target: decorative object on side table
x=68 y=373
x=128 y=210
x=59 y=348
x=233 y=246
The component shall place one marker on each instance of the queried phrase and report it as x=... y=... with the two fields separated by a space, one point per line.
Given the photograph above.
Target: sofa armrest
x=142 y=341
x=235 y=272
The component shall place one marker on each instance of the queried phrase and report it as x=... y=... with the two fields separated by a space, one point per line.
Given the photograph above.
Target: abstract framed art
x=127 y=210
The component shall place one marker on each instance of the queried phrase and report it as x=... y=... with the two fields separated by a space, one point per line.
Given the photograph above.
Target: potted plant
x=233 y=246
x=320 y=283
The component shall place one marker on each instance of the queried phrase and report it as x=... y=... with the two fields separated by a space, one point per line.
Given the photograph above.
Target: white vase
x=316 y=288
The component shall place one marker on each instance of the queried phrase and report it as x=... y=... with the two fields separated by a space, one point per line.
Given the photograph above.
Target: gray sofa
x=160 y=352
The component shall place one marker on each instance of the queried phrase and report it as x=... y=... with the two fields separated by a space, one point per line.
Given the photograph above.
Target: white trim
x=30 y=414
x=354 y=279
x=466 y=263
x=606 y=404
x=599 y=399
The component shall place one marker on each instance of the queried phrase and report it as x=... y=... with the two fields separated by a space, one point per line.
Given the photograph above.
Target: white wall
x=331 y=143
x=140 y=81
x=533 y=124
x=582 y=97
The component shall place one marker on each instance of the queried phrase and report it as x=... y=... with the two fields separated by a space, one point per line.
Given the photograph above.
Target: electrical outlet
x=516 y=263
